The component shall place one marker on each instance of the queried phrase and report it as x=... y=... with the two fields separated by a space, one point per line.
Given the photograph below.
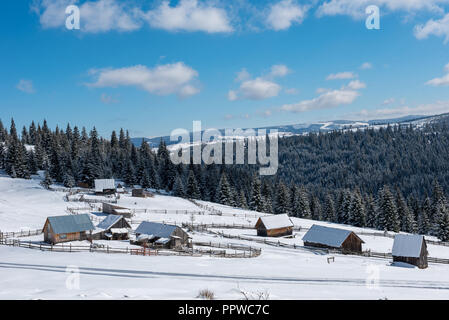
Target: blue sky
x=153 y=66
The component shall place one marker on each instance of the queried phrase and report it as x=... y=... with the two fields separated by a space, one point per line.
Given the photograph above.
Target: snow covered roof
x=162 y=240
x=331 y=237
x=407 y=245
x=71 y=223
x=276 y=221
x=156 y=229
x=119 y=230
x=109 y=221
x=123 y=211
x=104 y=184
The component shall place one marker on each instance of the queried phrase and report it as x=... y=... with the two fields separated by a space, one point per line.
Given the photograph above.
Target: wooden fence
x=20 y=234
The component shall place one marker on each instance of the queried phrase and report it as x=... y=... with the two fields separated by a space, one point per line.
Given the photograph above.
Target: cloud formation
x=26 y=86
x=341 y=76
x=259 y=88
x=443 y=81
x=108 y=15
x=176 y=78
x=284 y=14
x=439 y=28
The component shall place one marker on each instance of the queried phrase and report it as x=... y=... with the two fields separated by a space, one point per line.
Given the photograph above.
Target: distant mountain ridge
x=323 y=126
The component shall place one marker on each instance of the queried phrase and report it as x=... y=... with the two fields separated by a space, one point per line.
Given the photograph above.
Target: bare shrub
x=206 y=294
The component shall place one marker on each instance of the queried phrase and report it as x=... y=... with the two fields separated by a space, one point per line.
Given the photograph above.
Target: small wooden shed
x=141 y=193
x=411 y=249
x=274 y=226
x=113 y=227
x=67 y=228
x=333 y=238
x=116 y=210
x=161 y=235
x=105 y=186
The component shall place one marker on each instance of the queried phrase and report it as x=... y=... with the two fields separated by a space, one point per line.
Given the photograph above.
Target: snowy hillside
x=283 y=273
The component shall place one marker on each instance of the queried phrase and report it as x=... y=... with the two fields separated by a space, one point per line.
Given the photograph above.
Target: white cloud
x=437 y=107
x=291 y=91
x=285 y=13
x=166 y=79
x=259 y=88
x=189 y=15
x=366 y=66
x=107 y=99
x=443 y=81
x=26 y=86
x=439 y=28
x=279 y=70
x=242 y=75
x=328 y=98
x=356 y=8
x=341 y=76
x=106 y=15
x=356 y=85
x=388 y=101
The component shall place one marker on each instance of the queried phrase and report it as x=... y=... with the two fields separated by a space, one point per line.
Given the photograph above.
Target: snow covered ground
x=281 y=272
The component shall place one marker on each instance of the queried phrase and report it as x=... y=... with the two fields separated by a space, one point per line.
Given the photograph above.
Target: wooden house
x=113 y=227
x=333 y=238
x=161 y=235
x=411 y=249
x=141 y=193
x=116 y=210
x=105 y=186
x=67 y=228
x=274 y=226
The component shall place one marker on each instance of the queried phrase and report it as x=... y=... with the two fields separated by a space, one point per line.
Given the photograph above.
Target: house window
x=62 y=236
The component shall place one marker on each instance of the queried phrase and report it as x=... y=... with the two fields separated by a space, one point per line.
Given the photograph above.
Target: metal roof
x=156 y=229
x=331 y=237
x=109 y=221
x=104 y=184
x=407 y=245
x=71 y=223
x=276 y=221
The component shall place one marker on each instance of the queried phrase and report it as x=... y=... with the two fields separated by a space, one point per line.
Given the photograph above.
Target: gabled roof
x=70 y=223
x=109 y=221
x=331 y=237
x=407 y=245
x=276 y=221
x=104 y=184
x=156 y=229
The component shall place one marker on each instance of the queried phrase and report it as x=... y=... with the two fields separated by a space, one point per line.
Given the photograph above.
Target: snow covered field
x=281 y=272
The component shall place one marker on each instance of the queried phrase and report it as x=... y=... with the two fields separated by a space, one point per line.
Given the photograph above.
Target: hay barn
x=411 y=249
x=274 y=226
x=105 y=187
x=333 y=238
x=161 y=235
x=112 y=228
x=67 y=228
x=116 y=210
x=141 y=193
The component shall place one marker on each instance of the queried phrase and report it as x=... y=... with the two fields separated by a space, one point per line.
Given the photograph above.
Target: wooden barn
x=141 y=193
x=116 y=210
x=333 y=238
x=67 y=228
x=411 y=249
x=105 y=186
x=274 y=226
x=113 y=227
x=161 y=235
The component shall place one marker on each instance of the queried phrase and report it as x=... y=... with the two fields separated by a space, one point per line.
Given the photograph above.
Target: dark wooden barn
x=116 y=210
x=161 y=235
x=411 y=249
x=141 y=193
x=274 y=226
x=333 y=238
x=113 y=227
x=67 y=228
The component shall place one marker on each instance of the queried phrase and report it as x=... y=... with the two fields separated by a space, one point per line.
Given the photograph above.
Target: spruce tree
x=357 y=214
x=424 y=225
x=282 y=200
x=48 y=181
x=256 y=203
x=224 y=193
x=178 y=188
x=329 y=209
x=388 y=215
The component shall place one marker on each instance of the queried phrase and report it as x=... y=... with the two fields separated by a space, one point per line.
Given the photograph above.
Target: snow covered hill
x=280 y=272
